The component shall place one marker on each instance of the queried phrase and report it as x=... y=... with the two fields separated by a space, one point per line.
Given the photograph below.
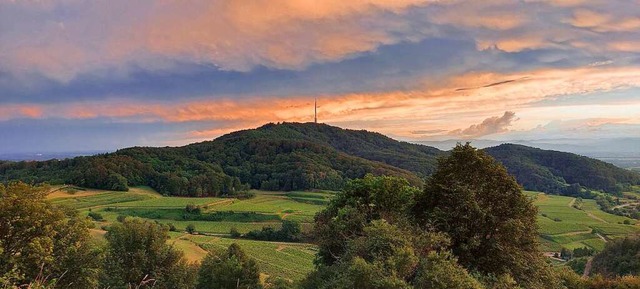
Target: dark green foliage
x=362 y=201
x=37 y=238
x=578 y=265
x=191 y=228
x=441 y=271
x=289 y=232
x=295 y=156
x=228 y=269
x=138 y=248
x=367 y=238
x=551 y=171
x=278 y=283
x=583 y=252
x=181 y=215
x=620 y=257
x=566 y=254
x=234 y=233
x=193 y=209
x=96 y=216
x=491 y=223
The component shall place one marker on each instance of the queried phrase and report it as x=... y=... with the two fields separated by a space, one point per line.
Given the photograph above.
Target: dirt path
x=625 y=205
x=573 y=201
x=596 y=217
x=575 y=233
x=602 y=237
x=587 y=268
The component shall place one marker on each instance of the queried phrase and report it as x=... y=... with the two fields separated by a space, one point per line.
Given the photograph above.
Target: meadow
x=561 y=224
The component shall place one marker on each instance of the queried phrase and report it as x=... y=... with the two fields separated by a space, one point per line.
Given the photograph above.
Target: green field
x=562 y=225
x=218 y=216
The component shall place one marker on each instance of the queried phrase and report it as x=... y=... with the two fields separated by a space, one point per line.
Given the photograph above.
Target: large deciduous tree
x=38 y=239
x=491 y=223
x=228 y=269
x=138 y=254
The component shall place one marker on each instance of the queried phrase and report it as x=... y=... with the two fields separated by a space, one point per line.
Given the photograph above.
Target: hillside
x=299 y=156
x=550 y=171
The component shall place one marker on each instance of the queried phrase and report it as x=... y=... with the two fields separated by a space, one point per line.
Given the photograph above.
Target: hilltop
x=300 y=156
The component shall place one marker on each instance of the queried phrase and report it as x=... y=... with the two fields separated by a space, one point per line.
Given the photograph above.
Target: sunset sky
x=100 y=75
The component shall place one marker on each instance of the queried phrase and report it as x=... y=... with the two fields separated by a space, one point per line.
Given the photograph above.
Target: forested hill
x=550 y=171
x=298 y=156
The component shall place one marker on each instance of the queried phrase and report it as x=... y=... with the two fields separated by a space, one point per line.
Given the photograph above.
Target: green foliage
x=441 y=271
x=234 y=233
x=620 y=257
x=96 y=216
x=552 y=171
x=288 y=232
x=367 y=238
x=191 y=228
x=491 y=223
x=294 y=156
x=38 y=239
x=230 y=269
x=362 y=201
x=136 y=250
x=193 y=209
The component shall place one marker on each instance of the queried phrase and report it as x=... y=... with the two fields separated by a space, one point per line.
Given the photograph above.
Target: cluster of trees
x=471 y=227
x=619 y=258
x=294 y=156
x=289 y=232
x=43 y=246
x=613 y=205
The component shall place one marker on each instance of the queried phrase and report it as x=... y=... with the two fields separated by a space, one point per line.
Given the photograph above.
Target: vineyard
x=563 y=221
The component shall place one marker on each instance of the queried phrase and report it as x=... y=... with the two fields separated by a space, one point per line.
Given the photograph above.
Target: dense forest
x=551 y=171
x=295 y=156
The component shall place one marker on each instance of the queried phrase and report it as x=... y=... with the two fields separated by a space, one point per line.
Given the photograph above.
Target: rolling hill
x=299 y=156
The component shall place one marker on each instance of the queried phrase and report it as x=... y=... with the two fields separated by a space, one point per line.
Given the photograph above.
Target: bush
x=234 y=233
x=191 y=228
x=193 y=209
x=121 y=218
x=96 y=216
x=172 y=228
x=289 y=232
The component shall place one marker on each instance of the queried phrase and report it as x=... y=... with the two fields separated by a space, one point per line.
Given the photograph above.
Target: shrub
x=193 y=209
x=191 y=228
x=96 y=216
x=234 y=233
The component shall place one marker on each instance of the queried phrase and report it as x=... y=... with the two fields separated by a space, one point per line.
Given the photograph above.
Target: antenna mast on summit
x=315 y=110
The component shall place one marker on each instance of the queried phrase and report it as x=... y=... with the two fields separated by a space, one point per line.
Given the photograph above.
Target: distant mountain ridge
x=299 y=156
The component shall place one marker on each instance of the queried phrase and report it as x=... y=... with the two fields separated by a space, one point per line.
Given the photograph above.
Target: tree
x=137 y=249
x=491 y=223
x=37 y=238
x=228 y=269
x=191 y=228
x=619 y=258
x=362 y=201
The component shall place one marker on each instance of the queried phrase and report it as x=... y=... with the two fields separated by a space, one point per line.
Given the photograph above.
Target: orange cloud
x=455 y=103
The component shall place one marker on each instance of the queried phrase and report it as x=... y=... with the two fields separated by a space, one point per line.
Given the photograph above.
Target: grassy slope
x=565 y=226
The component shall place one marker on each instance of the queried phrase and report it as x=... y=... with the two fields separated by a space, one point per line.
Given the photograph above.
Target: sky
x=100 y=75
